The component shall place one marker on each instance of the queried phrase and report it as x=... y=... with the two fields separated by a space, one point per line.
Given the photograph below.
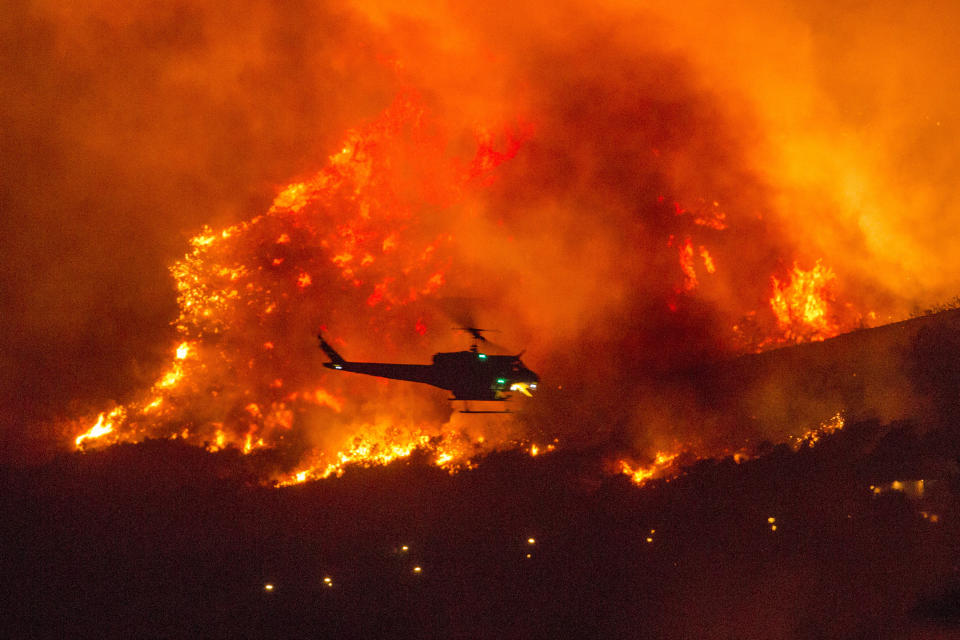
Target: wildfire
x=687 y=258
x=350 y=241
x=801 y=305
x=661 y=465
x=358 y=242
x=825 y=428
x=452 y=452
x=104 y=425
x=366 y=452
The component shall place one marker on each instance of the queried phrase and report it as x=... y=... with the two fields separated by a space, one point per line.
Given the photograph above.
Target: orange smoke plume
x=619 y=190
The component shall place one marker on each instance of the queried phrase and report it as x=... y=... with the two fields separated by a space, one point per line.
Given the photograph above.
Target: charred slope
x=909 y=369
x=163 y=540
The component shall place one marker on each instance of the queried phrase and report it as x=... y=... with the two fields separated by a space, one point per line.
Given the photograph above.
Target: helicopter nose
x=532 y=379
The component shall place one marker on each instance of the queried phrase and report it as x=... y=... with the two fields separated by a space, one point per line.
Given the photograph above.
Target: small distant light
x=268 y=587
x=529 y=556
x=649 y=539
x=773 y=527
x=652 y=531
x=771 y=519
x=482 y=356
x=501 y=380
x=328 y=581
x=404 y=548
x=531 y=541
x=337 y=366
x=417 y=569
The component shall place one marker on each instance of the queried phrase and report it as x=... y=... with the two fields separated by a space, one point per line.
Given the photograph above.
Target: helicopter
x=469 y=375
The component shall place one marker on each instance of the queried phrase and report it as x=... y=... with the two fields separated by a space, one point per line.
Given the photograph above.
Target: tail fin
x=335 y=357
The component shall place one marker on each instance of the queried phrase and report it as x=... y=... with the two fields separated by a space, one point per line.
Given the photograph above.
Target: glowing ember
x=811 y=437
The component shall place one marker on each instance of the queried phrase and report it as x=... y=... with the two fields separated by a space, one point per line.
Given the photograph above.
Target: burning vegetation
x=617 y=215
x=352 y=245
x=374 y=244
x=362 y=243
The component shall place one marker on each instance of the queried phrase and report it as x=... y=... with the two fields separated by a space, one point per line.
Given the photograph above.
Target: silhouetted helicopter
x=469 y=375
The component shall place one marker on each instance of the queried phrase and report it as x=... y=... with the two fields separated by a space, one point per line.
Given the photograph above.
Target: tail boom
x=335 y=358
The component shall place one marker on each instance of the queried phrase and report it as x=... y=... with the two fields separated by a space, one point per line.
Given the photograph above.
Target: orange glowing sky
x=658 y=172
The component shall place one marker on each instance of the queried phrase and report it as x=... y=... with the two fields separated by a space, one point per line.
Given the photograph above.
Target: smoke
x=127 y=128
x=655 y=170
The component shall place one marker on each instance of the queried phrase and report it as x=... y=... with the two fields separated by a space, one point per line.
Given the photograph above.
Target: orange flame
x=661 y=466
x=104 y=426
x=825 y=428
x=243 y=290
x=801 y=306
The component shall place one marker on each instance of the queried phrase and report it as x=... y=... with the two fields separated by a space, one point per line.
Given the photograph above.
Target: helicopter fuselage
x=468 y=375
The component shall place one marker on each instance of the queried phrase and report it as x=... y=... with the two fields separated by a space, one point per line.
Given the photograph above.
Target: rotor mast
x=477 y=335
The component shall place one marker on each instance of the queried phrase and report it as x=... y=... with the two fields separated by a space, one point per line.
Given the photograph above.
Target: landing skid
x=467 y=409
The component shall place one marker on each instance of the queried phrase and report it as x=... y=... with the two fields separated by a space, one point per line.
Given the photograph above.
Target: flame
x=354 y=242
x=381 y=446
x=801 y=305
x=825 y=428
x=450 y=451
x=661 y=465
x=664 y=464
x=104 y=426
x=349 y=234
